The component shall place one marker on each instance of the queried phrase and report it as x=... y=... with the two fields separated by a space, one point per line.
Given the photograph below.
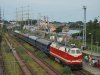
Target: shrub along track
x=3 y=70
x=48 y=68
x=25 y=68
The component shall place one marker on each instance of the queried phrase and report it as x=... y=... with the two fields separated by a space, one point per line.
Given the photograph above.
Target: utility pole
x=22 y=16
x=91 y=42
x=84 y=28
x=28 y=14
x=3 y=16
x=31 y=20
x=1 y=21
x=16 y=17
x=48 y=24
x=0 y=14
x=39 y=19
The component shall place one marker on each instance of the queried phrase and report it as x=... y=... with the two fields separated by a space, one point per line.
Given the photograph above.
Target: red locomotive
x=68 y=55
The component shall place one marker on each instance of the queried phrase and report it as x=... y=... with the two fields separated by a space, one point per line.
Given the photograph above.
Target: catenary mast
x=84 y=27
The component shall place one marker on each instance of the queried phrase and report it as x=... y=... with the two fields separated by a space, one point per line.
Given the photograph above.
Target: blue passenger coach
x=43 y=45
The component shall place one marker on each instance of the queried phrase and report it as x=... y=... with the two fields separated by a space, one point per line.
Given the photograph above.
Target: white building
x=30 y=27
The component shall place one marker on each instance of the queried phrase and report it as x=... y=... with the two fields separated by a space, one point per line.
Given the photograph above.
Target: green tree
x=59 y=29
x=94 y=28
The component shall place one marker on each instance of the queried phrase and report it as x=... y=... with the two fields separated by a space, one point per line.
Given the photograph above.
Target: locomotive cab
x=75 y=55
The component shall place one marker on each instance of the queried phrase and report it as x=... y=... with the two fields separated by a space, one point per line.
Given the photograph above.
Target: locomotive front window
x=78 y=51
x=72 y=51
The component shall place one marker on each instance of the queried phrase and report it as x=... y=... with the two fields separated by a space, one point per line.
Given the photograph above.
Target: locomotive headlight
x=71 y=61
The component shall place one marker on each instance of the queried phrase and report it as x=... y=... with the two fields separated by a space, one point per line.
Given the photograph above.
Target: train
x=67 y=55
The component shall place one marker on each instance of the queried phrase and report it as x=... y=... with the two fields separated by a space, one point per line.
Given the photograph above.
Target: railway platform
x=91 y=69
x=89 y=66
x=92 y=57
x=91 y=53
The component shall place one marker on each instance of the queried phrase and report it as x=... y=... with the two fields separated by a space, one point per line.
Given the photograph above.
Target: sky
x=56 y=10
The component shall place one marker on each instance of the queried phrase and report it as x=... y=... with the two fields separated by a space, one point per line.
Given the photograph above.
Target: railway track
x=24 y=68
x=48 y=68
x=28 y=51
x=44 y=65
x=81 y=72
x=78 y=72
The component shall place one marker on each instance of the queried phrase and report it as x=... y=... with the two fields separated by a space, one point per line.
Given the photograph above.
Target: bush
x=67 y=71
x=41 y=54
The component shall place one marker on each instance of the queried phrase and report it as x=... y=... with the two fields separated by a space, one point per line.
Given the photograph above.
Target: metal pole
x=97 y=45
x=31 y=19
x=0 y=13
x=84 y=27
x=16 y=16
x=66 y=40
x=39 y=20
x=83 y=35
x=91 y=43
x=48 y=24
x=22 y=15
x=3 y=19
x=79 y=35
x=28 y=16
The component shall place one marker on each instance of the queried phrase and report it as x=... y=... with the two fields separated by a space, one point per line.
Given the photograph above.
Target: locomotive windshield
x=78 y=51
x=74 y=51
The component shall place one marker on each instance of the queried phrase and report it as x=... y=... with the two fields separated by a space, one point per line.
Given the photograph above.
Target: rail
x=25 y=69
x=42 y=63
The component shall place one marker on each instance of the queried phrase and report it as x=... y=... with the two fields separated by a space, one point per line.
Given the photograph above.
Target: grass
x=67 y=71
x=50 y=61
x=55 y=64
x=10 y=62
x=28 y=60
